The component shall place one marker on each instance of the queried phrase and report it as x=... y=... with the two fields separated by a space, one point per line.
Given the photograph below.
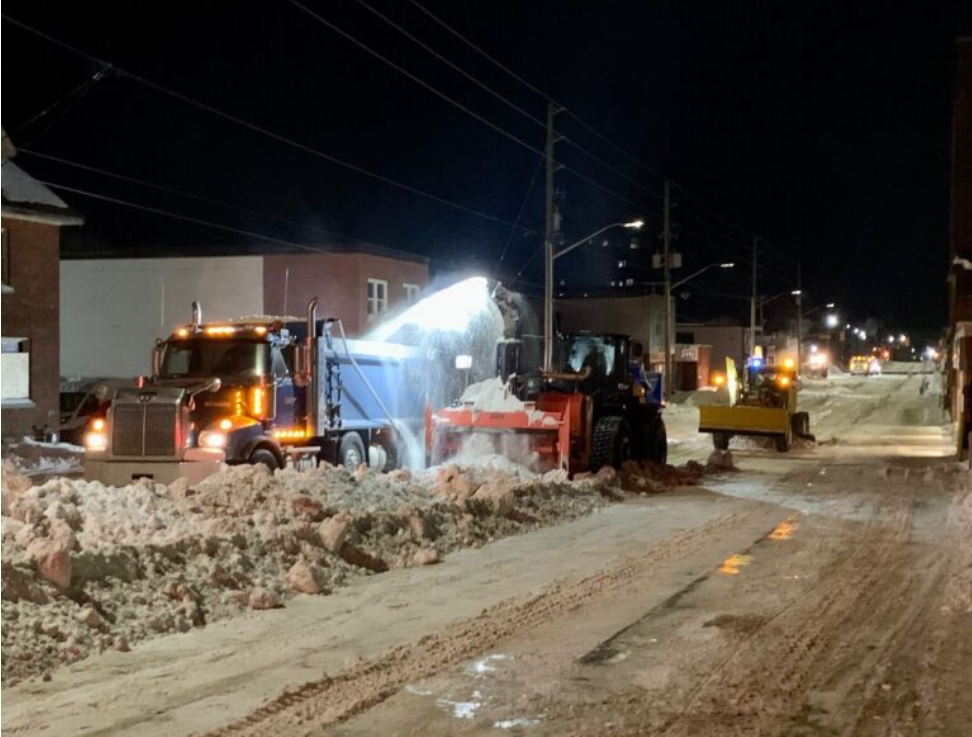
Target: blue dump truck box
x=380 y=382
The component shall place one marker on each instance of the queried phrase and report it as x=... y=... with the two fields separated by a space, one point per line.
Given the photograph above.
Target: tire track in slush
x=332 y=700
x=736 y=704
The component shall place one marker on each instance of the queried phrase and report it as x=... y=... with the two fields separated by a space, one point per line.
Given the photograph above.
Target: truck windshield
x=204 y=359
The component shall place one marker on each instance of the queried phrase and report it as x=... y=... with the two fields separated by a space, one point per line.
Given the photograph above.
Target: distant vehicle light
x=98 y=424
x=260 y=330
x=719 y=379
x=788 y=363
x=182 y=333
x=783 y=381
x=226 y=424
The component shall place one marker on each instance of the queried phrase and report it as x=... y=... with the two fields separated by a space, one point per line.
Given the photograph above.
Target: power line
x=185 y=218
x=259 y=129
x=523 y=204
x=455 y=103
x=533 y=88
x=190 y=195
x=587 y=126
x=219 y=226
x=502 y=98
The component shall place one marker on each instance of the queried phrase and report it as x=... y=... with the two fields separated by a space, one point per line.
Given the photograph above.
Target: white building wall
x=112 y=310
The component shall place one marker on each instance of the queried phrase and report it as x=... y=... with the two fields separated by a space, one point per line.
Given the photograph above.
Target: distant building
x=32 y=218
x=726 y=341
x=114 y=309
x=642 y=317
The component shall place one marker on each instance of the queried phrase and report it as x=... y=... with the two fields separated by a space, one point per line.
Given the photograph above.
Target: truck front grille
x=144 y=429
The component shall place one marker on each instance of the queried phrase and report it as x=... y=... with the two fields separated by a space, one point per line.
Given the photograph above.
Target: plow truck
x=597 y=407
x=268 y=390
x=766 y=407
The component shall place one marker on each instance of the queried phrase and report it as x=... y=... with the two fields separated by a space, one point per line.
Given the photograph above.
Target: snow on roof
x=24 y=195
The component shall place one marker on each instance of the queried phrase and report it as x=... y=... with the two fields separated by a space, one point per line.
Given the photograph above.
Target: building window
x=15 y=360
x=411 y=292
x=377 y=297
x=7 y=287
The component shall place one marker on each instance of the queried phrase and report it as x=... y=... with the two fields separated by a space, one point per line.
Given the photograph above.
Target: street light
x=831 y=321
x=701 y=271
x=548 y=299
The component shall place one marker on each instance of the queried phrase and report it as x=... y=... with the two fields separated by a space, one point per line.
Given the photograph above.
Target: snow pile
x=89 y=568
x=492 y=395
x=958 y=590
x=34 y=458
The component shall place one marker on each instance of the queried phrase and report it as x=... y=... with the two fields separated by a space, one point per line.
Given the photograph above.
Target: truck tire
x=720 y=440
x=351 y=451
x=265 y=456
x=784 y=441
x=610 y=443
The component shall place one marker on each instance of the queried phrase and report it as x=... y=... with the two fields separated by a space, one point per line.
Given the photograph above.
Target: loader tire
x=720 y=440
x=800 y=424
x=657 y=441
x=784 y=442
x=610 y=443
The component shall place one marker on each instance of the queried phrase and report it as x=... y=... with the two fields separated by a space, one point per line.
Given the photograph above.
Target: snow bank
x=88 y=568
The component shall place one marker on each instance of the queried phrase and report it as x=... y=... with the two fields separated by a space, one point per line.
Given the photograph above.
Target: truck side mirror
x=156 y=358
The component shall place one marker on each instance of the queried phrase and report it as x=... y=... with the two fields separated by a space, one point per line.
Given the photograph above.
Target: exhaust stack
x=196 y=316
x=313 y=378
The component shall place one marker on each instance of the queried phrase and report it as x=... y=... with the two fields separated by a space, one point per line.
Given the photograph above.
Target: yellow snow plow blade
x=743 y=420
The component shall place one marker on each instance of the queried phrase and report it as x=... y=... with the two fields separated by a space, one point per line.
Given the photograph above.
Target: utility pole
x=667 y=240
x=550 y=238
x=752 y=303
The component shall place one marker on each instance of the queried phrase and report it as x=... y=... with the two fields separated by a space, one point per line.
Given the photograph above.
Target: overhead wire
x=458 y=105
x=583 y=123
x=259 y=129
x=190 y=195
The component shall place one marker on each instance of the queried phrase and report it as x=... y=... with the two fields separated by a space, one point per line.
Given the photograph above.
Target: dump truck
x=597 y=407
x=766 y=407
x=269 y=390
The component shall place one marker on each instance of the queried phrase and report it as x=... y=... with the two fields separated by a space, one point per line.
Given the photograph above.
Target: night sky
x=825 y=129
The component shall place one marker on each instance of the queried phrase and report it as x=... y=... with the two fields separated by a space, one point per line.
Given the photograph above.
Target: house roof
x=26 y=198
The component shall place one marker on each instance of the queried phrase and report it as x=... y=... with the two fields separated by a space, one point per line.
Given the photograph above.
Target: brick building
x=356 y=283
x=32 y=218
x=151 y=297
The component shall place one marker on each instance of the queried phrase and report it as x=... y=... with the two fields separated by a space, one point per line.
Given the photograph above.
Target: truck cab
x=218 y=393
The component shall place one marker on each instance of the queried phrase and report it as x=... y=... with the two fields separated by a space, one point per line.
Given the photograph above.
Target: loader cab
x=604 y=358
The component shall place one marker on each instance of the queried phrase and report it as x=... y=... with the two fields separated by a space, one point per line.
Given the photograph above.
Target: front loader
x=767 y=407
x=597 y=407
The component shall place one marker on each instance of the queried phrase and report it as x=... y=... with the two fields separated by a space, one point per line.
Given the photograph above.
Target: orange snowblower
x=600 y=407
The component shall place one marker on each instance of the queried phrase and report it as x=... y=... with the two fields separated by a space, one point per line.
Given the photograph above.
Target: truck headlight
x=95 y=441
x=212 y=439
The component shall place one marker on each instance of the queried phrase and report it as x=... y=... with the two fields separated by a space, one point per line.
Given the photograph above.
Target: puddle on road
x=468 y=698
